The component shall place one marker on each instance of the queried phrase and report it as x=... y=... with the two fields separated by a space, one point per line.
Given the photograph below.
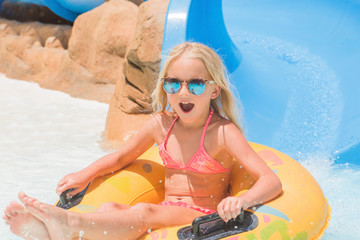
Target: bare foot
x=54 y=218
x=24 y=224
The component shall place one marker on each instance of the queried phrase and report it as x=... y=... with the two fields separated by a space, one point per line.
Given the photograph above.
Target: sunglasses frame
x=186 y=83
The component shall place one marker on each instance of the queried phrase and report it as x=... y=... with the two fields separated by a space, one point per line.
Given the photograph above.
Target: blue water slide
x=67 y=9
x=70 y=9
x=299 y=80
x=200 y=21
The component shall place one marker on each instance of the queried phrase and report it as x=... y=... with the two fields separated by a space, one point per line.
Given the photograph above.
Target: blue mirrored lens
x=172 y=86
x=197 y=87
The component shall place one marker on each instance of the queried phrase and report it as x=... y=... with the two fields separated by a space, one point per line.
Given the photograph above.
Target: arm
x=267 y=185
x=112 y=162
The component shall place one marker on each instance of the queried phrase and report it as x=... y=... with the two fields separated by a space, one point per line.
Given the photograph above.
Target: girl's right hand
x=78 y=181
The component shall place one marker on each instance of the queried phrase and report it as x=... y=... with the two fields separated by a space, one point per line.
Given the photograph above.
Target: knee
x=145 y=209
x=111 y=206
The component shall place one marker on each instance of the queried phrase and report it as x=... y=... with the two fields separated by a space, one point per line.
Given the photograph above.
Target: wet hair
x=225 y=104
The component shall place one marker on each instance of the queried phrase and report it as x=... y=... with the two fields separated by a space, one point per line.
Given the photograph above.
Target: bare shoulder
x=226 y=131
x=163 y=119
x=224 y=126
x=160 y=123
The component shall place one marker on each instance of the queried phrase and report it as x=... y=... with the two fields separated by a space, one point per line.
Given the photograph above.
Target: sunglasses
x=195 y=86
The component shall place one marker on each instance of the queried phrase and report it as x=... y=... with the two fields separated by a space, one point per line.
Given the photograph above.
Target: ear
x=215 y=92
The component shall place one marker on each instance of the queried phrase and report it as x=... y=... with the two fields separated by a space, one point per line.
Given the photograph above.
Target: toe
x=6 y=218
x=8 y=211
x=16 y=207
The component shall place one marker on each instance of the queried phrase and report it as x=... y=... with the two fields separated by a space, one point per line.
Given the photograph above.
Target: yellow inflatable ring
x=300 y=212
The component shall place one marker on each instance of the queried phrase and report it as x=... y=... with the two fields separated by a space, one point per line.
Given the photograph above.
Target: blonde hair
x=226 y=105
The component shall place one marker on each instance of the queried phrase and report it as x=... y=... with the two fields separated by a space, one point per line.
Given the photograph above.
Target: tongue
x=186 y=107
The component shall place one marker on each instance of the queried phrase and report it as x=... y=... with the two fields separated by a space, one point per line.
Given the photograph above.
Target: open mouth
x=186 y=107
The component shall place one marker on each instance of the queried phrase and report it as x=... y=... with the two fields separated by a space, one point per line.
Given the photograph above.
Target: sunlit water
x=45 y=134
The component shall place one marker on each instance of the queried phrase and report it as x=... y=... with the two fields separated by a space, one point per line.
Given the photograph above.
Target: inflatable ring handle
x=211 y=227
x=210 y=218
x=67 y=202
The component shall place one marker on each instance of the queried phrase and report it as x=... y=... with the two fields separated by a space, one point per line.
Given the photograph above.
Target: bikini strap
x=205 y=127
x=171 y=126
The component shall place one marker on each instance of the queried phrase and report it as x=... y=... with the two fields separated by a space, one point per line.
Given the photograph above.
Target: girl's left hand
x=230 y=207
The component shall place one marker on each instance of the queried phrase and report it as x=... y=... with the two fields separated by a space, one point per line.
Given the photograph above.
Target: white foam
x=44 y=135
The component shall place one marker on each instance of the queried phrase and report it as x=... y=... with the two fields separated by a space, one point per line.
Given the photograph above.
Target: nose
x=184 y=90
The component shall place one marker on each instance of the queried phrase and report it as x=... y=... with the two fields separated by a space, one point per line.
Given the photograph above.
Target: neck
x=197 y=123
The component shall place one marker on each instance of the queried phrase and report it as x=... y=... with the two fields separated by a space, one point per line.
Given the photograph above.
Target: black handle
x=210 y=218
x=71 y=201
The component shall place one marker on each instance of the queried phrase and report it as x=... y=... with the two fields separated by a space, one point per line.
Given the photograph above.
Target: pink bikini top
x=201 y=161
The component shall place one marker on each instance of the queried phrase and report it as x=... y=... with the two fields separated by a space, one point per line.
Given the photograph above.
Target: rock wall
x=131 y=104
x=110 y=54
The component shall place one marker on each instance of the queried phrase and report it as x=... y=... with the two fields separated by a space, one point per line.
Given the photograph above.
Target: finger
x=238 y=208
x=233 y=210
x=74 y=191
x=62 y=189
x=220 y=210
x=227 y=211
x=61 y=182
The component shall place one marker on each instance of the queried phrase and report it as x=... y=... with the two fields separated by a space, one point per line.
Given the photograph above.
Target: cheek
x=171 y=98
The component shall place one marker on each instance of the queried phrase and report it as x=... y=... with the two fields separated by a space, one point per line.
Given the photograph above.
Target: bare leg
x=24 y=224
x=128 y=223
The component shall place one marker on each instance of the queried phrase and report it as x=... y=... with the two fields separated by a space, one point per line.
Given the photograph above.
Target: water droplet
x=132 y=227
x=81 y=234
x=160 y=181
x=149 y=230
x=105 y=232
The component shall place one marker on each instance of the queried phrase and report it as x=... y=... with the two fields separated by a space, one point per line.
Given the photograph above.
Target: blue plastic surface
x=200 y=21
x=298 y=79
x=67 y=9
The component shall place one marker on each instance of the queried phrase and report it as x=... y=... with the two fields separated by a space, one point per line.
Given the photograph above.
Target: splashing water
x=44 y=135
x=311 y=78
x=47 y=134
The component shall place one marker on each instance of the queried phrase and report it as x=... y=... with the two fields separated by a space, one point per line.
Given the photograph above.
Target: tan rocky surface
x=111 y=54
x=53 y=55
x=141 y=69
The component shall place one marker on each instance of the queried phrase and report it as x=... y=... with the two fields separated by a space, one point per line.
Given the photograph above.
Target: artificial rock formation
x=84 y=60
x=131 y=104
x=110 y=54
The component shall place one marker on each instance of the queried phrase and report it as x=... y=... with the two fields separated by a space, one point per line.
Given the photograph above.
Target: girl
x=199 y=138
